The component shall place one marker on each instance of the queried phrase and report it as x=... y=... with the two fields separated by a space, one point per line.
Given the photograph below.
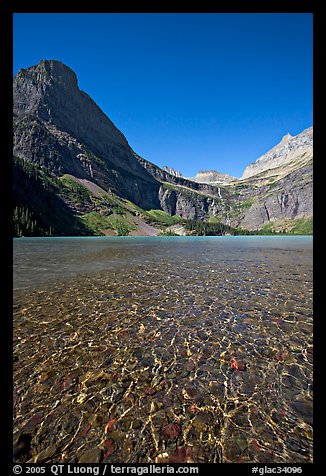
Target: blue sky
x=189 y=90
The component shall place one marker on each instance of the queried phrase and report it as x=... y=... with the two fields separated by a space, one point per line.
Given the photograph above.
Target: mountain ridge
x=72 y=143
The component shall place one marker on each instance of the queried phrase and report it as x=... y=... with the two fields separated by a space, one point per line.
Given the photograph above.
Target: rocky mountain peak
x=47 y=70
x=49 y=91
x=288 y=151
x=36 y=86
x=286 y=138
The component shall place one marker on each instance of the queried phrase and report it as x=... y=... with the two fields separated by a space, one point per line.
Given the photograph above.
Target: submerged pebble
x=172 y=431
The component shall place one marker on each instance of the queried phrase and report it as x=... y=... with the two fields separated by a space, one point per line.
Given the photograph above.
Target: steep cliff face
x=190 y=205
x=286 y=199
x=58 y=126
x=50 y=91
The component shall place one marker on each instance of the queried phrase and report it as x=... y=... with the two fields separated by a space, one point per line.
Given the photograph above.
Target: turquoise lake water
x=38 y=260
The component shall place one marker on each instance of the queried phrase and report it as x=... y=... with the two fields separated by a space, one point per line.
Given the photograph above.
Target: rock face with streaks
x=172 y=171
x=288 y=198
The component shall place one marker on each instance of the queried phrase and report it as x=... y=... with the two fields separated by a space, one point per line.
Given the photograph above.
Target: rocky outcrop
x=168 y=200
x=59 y=127
x=172 y=171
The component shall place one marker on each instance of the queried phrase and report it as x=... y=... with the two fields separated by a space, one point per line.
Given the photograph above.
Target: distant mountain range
x=76 y=174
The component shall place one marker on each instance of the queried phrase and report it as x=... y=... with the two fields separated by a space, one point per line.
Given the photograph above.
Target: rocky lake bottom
x=166 y=350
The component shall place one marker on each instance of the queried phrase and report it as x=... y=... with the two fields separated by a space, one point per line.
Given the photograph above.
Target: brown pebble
x=109 y=447
x=96 y=420
x=184 y=454
x=93 y=455
x=46 y=454
x=172 y=431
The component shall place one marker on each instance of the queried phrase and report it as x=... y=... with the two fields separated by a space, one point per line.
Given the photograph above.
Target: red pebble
x=237 y=364
x=184 y=454
x=172 y=431
x=149 y=390
x=110 y=425
x=255 y=445
x=109 y=447
x=193 y=408
x=85 y=430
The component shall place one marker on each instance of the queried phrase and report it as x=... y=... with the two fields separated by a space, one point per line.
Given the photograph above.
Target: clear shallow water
x=38 y=260
x=139 y=332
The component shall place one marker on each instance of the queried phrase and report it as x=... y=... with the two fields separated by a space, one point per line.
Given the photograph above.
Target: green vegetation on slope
x=162 y=218
x=72 y=190
x=38 y=209
x=96 y=222
x=299 y=226
x=48 y=205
